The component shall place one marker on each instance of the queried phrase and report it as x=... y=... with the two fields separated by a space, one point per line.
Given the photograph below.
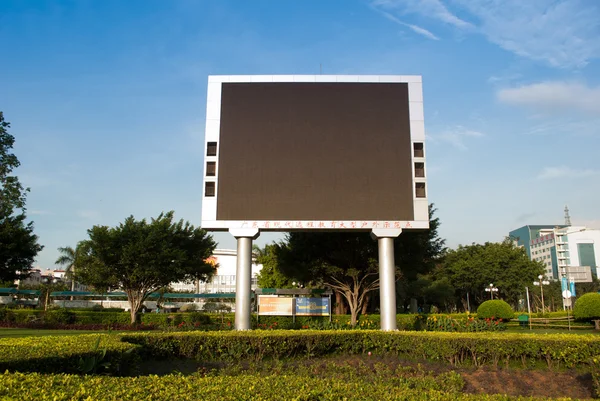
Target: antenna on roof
x=567 y=216
x=320 y=69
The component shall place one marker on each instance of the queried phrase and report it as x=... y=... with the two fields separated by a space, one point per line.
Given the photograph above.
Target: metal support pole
x=387 y=277
x=468 y=303
x=242 y=283
x=243 y=277
x=528 y=307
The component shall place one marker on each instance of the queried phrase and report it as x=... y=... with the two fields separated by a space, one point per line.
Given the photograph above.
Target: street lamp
x=491 y=289
x=541 y=284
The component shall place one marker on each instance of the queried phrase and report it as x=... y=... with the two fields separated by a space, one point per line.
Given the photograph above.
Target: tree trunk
x=135 y=299
x=72 y=281
x=340 y=306
x=365 y=305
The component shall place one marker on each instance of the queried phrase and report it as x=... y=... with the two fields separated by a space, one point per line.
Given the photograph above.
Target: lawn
x=13 y=333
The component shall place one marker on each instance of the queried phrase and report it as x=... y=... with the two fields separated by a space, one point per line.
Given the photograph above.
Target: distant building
x=37 y=277
x=224 y=281
x=560 y=247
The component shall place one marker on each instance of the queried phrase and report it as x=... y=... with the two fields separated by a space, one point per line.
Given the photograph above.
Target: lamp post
x=491 y=289
x=542 y=283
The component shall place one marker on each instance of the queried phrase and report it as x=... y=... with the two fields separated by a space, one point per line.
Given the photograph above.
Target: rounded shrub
x=62 y=316
x=587 y=307
x=496 y=309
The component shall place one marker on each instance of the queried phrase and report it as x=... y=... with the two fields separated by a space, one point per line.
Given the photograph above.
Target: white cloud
x=566 y=172
x=417 y=29
x=565 y=127
x=456 y=136
x=554 y=96
x=431 y=8
x=39 y=212
x=89 y=214
x=561 y=33
x=595 y=224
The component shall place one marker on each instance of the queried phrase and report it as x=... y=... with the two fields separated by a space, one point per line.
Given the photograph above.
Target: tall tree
x=416 y=254
x=348 y=262
x=344 y=261
x=70 y=257
x=473 y=267
x=270 y=276
x=140 y=257
x=18 y=244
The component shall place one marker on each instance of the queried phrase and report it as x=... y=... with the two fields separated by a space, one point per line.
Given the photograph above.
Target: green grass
x=14 y=333
x=550 y=331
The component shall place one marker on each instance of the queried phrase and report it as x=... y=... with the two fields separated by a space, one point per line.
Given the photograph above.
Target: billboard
x=312 y=306
x=314 y=152
x=275 y=306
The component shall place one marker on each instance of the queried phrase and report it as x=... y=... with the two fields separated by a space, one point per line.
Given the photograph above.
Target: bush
x=6 y=315
x=240 y=387
x=456 y=348
x=62 y=316
x=467 y=324
x=587 y=307
x=51 y=354
x=496 y=309
x=188 y=307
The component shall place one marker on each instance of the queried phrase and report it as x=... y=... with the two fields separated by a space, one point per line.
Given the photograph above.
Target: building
x=562 y=248
x=538 y=242
x=224 y=281
x=37 y=277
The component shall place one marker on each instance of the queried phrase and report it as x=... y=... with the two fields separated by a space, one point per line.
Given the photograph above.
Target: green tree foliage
x=495 y=309
x=18 y=244
x=344 y=261
x=587 y=307
x=270 y=276
x=473 y=267
x=417 y=253
x=348 y=261
x=141 y=257
x=70 y=258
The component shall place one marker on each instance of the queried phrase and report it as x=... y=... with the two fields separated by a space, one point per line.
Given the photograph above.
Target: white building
x=224 y=280
x=578 y=246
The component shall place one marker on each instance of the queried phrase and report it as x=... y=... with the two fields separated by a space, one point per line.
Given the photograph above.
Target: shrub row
x=66 y=354
x=223 y=321
x=23 y=317
x=455 y=348
x=243 y=387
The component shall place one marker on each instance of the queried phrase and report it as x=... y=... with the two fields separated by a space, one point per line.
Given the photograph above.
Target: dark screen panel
x=315 y=151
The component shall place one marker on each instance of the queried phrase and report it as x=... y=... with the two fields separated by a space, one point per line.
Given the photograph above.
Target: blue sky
x=107 y=100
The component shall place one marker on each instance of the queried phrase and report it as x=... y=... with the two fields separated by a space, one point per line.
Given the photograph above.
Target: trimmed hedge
x=61 y=354
x=228 y=388
x=455 y=348
x=495 y=309
x=587 y=307
x=219 y=321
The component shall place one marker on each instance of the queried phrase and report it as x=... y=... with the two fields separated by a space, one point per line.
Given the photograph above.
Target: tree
x=348 y=261
x=473 y=267
x=270 y=275
x=344 y=261
x=417 y=253
x=18 y=244
x=140 y=257
x=70 y=258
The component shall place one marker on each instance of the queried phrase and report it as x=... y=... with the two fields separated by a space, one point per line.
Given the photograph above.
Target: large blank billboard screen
x=314 y=151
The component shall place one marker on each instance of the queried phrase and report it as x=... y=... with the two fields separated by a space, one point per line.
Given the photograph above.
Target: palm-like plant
x=68 y=258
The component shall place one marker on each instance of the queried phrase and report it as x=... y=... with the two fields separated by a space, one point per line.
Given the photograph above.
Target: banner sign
x=573 y=288
x=564 y=285
x=312 y=307
x=275 y=306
